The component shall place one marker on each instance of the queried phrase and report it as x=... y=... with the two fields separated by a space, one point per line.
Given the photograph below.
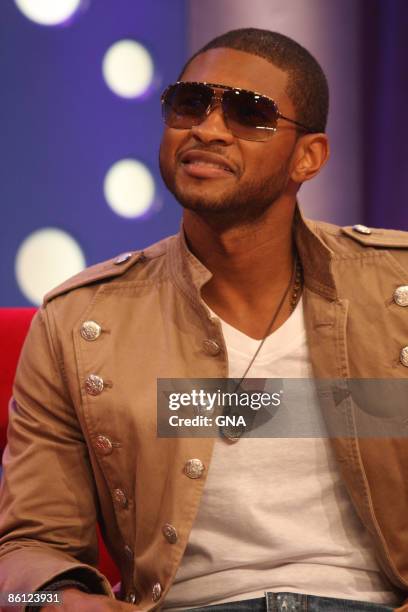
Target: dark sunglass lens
x=250 y=116
x=184 y=104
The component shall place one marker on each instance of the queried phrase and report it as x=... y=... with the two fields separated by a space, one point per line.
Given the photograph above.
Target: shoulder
x=357 y=238
x=123 y=265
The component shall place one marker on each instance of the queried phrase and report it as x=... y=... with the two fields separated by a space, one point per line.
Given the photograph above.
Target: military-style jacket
x=82 y=438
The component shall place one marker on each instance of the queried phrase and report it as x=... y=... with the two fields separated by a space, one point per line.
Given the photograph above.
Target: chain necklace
x=233 y=434
x=296 y=281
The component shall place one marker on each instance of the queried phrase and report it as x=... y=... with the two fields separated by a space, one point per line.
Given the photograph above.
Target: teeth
x=210 y=164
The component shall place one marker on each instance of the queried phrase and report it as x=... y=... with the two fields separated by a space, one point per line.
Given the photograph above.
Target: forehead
x=239 y=69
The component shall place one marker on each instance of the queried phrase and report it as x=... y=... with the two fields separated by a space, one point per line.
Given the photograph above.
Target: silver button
x=128 y=553
x=211 y=347
x=232 y=439
x=404 y=356
x=103 y=445
x=132 y=597
x=361 y=229
x=156 y=591
x=120 y=497
x=232 y=434
x=401 y=295
x=122 y=258
x=94 y=384
x=194 y=468
x=90 y=330
x=170 y=533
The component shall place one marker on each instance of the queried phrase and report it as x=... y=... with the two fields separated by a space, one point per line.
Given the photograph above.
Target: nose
x=213 y=128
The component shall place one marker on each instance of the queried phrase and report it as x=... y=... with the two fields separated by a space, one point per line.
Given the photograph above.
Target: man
x=248 y=289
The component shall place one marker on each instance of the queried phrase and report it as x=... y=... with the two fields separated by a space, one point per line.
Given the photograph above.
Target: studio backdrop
x=80 y=121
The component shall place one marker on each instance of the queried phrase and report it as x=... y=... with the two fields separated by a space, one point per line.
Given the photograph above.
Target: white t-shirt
x=275 y=515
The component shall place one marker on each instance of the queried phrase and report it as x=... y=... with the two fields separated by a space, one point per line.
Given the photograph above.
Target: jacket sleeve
x=48 y=501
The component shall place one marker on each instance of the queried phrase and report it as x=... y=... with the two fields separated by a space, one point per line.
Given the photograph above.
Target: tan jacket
x=81 y=451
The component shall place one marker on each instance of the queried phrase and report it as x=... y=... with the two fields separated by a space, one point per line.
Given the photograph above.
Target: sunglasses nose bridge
x=215 y=102
x=216 y=125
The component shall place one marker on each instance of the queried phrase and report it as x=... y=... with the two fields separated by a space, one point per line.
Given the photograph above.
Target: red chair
x=14 y=324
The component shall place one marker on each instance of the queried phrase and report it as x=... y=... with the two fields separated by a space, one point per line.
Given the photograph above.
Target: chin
x=201 y=203
x=204 y=199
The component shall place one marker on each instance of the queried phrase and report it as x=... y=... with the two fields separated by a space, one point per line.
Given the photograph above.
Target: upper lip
x=206 y=156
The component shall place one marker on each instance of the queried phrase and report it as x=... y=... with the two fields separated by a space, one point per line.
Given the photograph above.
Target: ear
x=311 y=154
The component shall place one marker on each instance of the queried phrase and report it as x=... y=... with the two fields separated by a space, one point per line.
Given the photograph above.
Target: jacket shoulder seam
x=377 y=237
x=104 y=270
x=109 y=269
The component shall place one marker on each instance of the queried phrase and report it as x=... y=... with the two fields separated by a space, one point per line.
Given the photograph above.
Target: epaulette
x=376 y=237
x=101 y=271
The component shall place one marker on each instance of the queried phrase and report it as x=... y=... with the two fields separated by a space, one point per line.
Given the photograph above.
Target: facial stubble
x=245 y=204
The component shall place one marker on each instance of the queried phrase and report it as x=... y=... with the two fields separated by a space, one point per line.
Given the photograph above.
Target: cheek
x=265 y=159
x=171 y=142
x=259 y=157
x=166 y=153
x=257 y=163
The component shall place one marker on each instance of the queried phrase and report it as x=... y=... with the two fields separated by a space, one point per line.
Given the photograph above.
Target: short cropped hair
x=307 y=84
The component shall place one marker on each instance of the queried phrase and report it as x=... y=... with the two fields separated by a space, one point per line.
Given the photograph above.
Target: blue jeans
x=296 y=602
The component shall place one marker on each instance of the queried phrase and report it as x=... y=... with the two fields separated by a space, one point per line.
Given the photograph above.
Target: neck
x=251 y=264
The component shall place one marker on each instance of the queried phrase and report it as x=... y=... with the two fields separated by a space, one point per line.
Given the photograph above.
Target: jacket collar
x=315 y=255
x=190 y=274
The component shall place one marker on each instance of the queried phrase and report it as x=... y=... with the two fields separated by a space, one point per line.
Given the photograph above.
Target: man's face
x=259 y=172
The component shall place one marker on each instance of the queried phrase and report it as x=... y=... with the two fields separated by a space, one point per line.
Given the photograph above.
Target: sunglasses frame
x=218 y=98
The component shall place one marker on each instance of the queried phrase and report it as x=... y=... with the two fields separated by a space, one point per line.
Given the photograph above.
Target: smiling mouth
x=203 y=169
x=205 y=164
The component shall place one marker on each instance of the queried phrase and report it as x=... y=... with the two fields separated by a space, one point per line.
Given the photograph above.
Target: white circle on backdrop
x=128 y=69
x=46 y=258
x=129 y=188
x=48 y=12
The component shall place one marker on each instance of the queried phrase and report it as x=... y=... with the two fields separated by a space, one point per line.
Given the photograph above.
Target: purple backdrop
x=62 y=128
x=385 y=105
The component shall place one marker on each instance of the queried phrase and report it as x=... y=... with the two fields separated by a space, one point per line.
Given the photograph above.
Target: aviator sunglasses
x=247 y=114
